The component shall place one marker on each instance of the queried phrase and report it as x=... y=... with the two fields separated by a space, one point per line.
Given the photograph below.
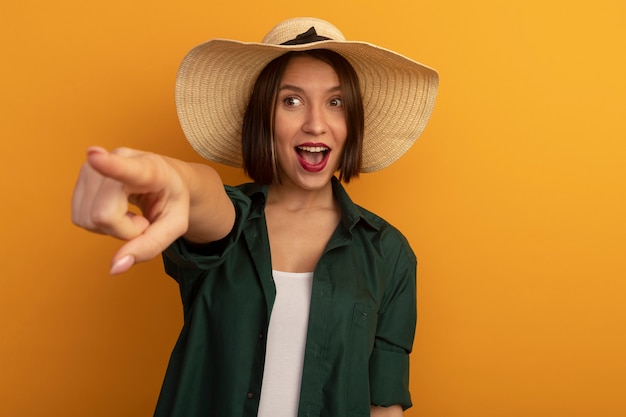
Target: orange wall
x=513 y=199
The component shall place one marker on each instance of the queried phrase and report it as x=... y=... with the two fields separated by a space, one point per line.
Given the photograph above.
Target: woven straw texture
x=216 y=78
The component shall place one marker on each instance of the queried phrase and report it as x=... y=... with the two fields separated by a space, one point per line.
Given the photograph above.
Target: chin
x=309 y=182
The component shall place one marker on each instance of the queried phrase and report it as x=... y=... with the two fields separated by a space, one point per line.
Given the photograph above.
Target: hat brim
x=216 y=78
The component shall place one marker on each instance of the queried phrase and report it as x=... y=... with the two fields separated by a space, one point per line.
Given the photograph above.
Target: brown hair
x=257 y=146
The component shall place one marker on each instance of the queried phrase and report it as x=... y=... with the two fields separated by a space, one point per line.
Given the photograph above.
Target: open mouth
x=312 y=155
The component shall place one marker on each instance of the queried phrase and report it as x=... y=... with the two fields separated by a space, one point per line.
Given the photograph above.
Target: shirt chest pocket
x=363 y=329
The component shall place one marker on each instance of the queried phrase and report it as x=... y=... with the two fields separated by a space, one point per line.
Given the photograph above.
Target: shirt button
x=260 y=335
x=250 y=395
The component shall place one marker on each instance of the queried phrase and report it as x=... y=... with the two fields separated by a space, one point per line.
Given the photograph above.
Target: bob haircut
x=258 y=146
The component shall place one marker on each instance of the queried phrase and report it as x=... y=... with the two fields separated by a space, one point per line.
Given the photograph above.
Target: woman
x=296 y=301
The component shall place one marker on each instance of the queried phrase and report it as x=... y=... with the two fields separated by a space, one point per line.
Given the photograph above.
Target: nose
x=315 y=122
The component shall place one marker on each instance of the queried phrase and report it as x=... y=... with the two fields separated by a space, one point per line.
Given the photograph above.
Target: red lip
x=309 y=167
x=314 y=144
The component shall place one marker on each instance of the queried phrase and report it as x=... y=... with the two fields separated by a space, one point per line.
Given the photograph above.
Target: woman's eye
x=336 y=102
x=292 y=101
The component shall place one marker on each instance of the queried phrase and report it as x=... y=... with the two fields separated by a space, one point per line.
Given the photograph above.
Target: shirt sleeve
x=182 y=255
x=189 y=264
x=389 y=361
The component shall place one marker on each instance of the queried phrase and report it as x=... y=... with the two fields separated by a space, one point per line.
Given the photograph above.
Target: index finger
x=141 y=172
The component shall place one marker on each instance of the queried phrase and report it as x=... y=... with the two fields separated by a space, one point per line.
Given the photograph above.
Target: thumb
x=153 y=241
x=122 y=264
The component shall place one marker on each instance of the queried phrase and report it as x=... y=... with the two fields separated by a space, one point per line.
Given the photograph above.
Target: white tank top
x=286 y=339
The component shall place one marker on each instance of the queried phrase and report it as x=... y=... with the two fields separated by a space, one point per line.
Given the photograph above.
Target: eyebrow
x=300 y=90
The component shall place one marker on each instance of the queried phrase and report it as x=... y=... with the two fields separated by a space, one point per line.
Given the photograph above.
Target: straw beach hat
x=216 y=78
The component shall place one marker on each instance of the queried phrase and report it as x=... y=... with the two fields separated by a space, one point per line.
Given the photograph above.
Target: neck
x=296 y=198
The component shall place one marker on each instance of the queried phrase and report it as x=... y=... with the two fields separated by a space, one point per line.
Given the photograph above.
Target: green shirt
x=361 y=322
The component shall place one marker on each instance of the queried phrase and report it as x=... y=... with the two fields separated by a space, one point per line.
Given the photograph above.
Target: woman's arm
x=392 y=411
x=175 y=198
x=211 y=213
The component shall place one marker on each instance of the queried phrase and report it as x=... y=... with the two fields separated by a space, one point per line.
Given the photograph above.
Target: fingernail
x=122 y=264
x=95 y=149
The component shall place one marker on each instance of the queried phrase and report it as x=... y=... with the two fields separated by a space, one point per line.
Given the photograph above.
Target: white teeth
x=313 y=148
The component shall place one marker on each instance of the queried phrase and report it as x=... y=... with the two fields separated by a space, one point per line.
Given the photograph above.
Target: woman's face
x=310 y=125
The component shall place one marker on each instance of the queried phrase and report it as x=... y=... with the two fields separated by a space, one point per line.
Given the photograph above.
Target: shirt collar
x=351 y=213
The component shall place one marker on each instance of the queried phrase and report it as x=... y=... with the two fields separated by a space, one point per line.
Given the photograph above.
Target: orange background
x=513 y=199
